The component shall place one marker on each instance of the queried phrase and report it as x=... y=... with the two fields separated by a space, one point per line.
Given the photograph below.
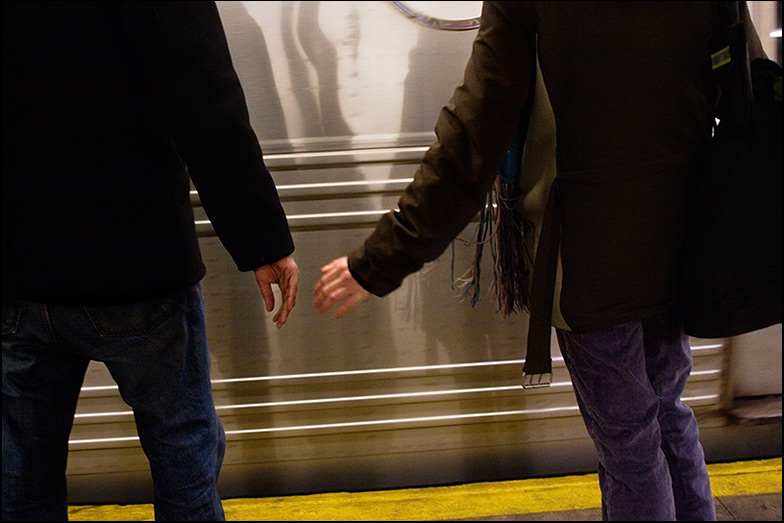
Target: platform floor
x=744 y=491
x=759 y=507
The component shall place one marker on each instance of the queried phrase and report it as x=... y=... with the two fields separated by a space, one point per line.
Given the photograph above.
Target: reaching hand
x=285 y=273
x=336 y=285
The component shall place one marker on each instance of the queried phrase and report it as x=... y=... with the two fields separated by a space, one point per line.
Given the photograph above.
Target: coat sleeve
x=473 y=131
x=182 y=50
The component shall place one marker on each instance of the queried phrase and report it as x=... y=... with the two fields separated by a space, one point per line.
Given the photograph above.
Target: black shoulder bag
x=731 y=282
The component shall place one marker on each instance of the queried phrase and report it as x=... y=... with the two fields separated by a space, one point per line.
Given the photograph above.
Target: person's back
x=632 y=101
x=110 y=110
x=627 y=106
x=629 y=85
x=104 y=105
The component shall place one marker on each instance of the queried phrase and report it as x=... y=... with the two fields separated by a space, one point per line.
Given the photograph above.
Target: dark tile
x=564 y=515
x=760 y=507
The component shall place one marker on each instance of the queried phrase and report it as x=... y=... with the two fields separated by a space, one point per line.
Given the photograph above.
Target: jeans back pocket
x=134 y=319
x=11 y=314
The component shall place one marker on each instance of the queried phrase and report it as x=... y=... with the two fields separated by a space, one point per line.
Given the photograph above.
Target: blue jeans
x=628 y=380
x=157 y=353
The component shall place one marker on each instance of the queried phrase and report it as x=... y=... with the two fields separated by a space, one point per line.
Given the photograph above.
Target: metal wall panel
x=417 y=388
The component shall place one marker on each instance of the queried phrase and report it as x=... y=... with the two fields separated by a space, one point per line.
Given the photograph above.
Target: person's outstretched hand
x=338 y=285
x=285 y=274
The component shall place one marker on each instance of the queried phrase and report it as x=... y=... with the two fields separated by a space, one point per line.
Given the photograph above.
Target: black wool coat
x=110 y=109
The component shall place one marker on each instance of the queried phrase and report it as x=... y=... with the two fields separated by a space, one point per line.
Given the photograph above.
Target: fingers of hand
x=335 y=264
x=328 y=295
x=329 y=273
x=290 y=288
x=350 y=302
x=281 y=316
x=267 y=294
x=289 y=301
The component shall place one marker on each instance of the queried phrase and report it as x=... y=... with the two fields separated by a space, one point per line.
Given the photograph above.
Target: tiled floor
x=760 y=507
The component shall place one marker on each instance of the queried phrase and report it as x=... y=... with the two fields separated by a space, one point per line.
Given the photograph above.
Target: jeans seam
x=48 y=323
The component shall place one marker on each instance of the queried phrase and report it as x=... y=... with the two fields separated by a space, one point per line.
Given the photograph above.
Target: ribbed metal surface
x=413 y=389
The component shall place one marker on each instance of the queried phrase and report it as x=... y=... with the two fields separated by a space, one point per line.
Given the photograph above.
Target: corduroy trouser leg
x=628 y=380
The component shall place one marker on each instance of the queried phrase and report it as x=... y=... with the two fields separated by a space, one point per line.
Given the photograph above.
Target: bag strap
x=752 y=37
x=731 y=66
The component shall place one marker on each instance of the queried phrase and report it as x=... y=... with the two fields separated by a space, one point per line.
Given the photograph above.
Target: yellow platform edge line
x=453 y=502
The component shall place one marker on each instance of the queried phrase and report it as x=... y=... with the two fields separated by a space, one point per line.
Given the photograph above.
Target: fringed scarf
x=512 y=223
x=504 y=230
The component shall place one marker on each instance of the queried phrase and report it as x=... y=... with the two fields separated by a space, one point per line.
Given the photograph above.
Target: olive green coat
x=629 y=84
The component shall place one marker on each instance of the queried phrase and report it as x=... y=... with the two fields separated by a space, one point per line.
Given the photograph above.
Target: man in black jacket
x=110 y=109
